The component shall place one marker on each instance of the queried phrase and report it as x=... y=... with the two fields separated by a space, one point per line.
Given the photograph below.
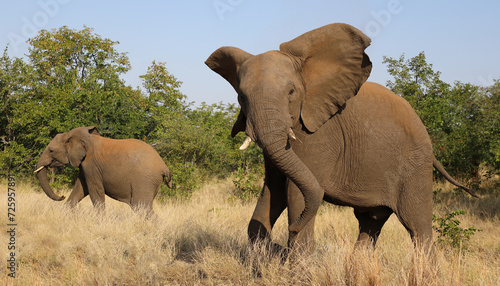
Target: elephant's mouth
x=53 y=164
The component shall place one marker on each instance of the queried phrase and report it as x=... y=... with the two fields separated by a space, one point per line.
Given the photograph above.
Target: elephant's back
x=384 y=123
x=382 y=105
x=131 y=151
x=379 y=94
x=146 y=151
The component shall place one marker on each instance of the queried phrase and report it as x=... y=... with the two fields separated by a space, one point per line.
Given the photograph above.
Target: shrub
x=248 y=183
x=449 y=231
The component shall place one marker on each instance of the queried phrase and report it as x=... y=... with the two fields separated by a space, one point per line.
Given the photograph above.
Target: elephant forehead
x=266 y=63
x=59 y=138
x=268 y=68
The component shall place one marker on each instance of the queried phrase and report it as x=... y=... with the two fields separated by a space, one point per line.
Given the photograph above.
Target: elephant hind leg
x=414 y=209
x=142 y=197
x=147 y=208
x=418 y=223
x=415 y=213
x=142 y=203
x=370 y=224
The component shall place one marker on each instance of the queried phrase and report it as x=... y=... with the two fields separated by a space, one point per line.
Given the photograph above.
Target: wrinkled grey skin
x=127 y=170
x=328 y=135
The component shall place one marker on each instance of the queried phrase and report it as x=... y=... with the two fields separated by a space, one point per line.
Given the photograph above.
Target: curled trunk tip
x=44 y=182
x=290 y=165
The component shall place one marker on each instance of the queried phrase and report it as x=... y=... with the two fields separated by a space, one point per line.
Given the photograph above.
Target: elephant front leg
x=270 y=205
x=96 y=193
x=97 y=199
x=77 y=194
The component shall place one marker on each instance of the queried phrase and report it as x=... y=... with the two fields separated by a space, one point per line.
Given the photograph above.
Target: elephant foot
x=262 y=250
x=280 y=251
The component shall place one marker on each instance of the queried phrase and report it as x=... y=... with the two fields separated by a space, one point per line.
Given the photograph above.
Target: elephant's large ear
x=77 y=144
x=93 y=130
x=334 y=66
x=239 y=125
x=226 y=61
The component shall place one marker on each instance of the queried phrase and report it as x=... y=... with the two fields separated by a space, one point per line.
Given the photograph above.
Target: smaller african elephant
x=126 y=170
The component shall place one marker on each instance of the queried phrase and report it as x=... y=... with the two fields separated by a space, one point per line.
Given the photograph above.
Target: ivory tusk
x=246 y=143
x=38 y=170
x=291 y=135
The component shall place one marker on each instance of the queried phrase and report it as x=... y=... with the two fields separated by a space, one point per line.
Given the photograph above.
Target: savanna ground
x=202 y=241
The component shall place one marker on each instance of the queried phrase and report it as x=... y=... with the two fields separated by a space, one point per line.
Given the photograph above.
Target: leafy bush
x=197 y=145
x=248 y=183
x=449 y=231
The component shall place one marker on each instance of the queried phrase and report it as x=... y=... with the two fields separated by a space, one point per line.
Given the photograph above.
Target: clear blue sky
x=460 y=38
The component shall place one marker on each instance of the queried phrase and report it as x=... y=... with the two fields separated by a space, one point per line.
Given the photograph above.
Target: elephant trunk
x=44 y=182
x=273 y=135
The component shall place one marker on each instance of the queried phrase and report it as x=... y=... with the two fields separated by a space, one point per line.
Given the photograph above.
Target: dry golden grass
x=203 y=241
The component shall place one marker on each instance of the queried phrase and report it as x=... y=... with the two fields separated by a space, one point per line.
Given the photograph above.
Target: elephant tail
x=443 y=172
x=167 y=177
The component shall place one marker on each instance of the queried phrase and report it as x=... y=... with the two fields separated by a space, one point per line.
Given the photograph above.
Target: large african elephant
x=328 y=135
x=126 y=170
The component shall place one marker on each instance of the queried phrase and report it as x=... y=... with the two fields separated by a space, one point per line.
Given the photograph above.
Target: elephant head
x=302 y=85
x=70 y=147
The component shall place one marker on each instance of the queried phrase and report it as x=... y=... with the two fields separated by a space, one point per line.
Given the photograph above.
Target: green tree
x=490 y=104
x=162 y=90
x=77 y=82
x=13 y=82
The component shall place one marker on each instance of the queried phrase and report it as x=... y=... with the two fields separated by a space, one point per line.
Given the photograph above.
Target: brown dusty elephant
x=328 y=135
x=127 y=170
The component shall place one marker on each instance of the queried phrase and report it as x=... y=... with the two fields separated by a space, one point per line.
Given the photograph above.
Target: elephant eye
x=290 y=94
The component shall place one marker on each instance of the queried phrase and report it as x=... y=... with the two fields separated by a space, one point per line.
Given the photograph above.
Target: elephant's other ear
x=93 y=130
x=226 y=61
x=334 y=66
x=239 y=125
